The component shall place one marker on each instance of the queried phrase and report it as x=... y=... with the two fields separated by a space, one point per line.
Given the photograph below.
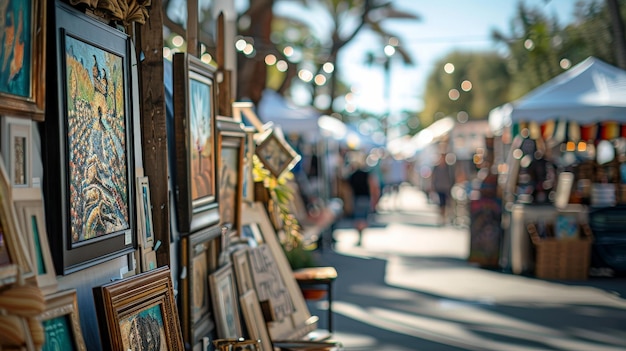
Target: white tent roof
x=589 y=92
x=292 y=119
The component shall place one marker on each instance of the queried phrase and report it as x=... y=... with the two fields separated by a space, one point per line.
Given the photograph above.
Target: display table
x=319 y=276
x=520 y=245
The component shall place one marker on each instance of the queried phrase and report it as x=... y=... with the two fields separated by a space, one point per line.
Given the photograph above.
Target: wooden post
x=154 y=124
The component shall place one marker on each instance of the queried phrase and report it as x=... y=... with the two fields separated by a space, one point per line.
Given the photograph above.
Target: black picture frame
x=195 y=177
x=87 y=147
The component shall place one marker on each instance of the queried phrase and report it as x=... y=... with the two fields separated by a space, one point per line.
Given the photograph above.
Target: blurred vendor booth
x=563 y=182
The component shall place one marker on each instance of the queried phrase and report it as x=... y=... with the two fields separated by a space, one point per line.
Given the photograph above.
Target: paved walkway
x=409 y=287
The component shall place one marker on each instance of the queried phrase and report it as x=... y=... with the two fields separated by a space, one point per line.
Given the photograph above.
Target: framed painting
x=247 y=188
x=231 y=145
x=23 y=59
x=88 y=148
x=195 y=140
x=300 y=321
x=139 y=313
x=241 y=265
x=61 y=322
x=225 y=302
x=16 y=148
x=275 y=154
x=144 y=214
x=199 y=257
x=14 y=253
x=254 y=320
x=269 y=284
x=30 y=215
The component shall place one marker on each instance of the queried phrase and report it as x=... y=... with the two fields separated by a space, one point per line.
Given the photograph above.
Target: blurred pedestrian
x=442 y=180
x=365 y=193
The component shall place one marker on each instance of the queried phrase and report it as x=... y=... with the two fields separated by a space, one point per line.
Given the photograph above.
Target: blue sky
x=445 y=25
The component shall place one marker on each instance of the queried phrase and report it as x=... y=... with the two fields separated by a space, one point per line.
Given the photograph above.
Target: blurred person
x=365 y=192
x=442 y=182
x=393 y=176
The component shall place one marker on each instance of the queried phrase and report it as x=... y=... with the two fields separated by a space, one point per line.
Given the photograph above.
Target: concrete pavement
x=409 y=287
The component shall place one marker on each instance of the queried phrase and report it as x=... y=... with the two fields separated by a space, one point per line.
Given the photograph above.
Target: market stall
x=571 y=125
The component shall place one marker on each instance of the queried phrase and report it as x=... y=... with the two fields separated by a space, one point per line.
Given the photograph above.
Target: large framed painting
x=139 y=313
x=199 y=252
x=23 y=58
x=61 y=322
x=88 y=146
x=195 y=178
x=231 y=147
x=225 y=302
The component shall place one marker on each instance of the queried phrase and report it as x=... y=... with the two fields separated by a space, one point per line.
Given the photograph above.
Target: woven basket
x=562 y=259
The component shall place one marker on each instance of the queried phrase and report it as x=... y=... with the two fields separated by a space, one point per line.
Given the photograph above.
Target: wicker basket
x=562 y=259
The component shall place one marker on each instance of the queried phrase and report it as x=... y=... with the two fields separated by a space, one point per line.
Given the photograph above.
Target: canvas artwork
x=16 y=52
x=228 y=185
x=201 y=135
x=144 y=330
x=96 y=137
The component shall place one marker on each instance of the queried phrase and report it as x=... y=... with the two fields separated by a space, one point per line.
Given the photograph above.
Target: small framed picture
x=144 y=215
x=225 y=302
x=199 y=256
x=254 y=320
x=275 y=153
x=61 y=322
x=139 y=312
x=231 y=139
x=16 y=148
x=30 y=216
x=241 y=265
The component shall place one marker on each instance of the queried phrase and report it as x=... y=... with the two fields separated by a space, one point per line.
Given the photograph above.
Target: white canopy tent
x=292 y=119
x=592 y=91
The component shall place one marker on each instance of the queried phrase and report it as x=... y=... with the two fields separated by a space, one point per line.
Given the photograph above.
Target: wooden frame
x=225 y=302
x=269 y=284
x=61 y=322
x=231 y=145
x=22 y=89
x=88 y=148
x=300 y=322
x=241 y=265
x=139 y=309
x=275 y=154
x=199 y=257
x=144 y=213
x=255 y=323
x=13 y=250
x=195 y=143
x=17 y=142
x=31 y=218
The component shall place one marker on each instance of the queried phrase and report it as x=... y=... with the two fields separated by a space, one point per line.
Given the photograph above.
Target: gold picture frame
x=139 y=309
x=61 y=322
